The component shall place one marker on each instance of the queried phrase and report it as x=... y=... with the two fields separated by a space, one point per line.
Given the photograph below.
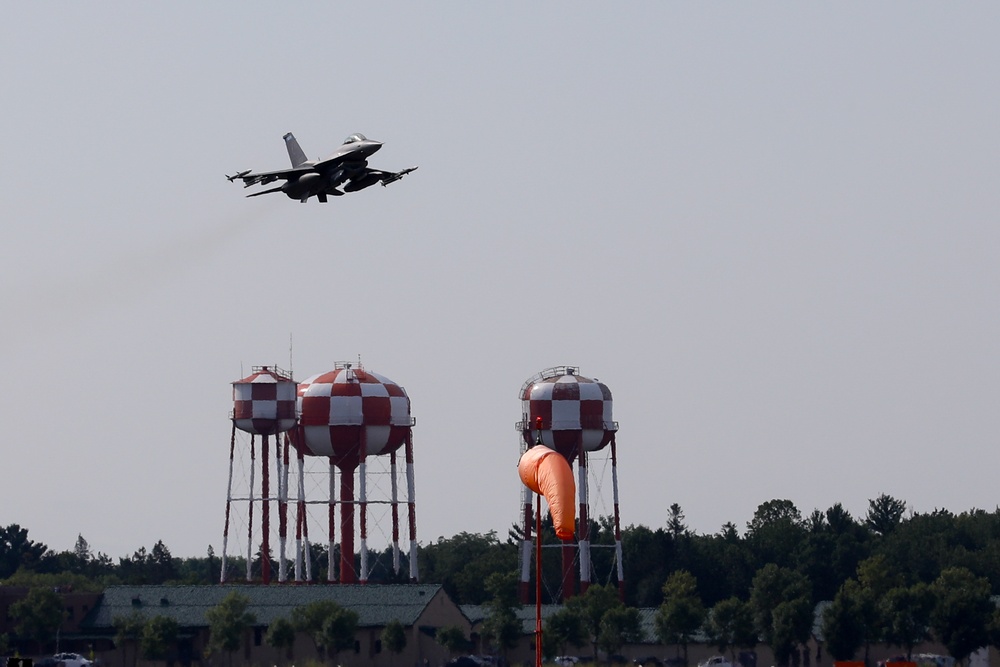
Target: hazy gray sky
x=770 y=228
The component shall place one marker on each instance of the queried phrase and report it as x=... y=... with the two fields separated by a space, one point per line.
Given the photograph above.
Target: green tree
x=775 y=532
x=963 y=612
x=452 y=639
x=682 y=614
x=778 y=598
x=228 y=621
x=38 y=615
x=393 y=638
x=843 y=624
x=618 y=626
x=462 y=563
x=565 y=626
x=281 y=635
x=338 y=632
x=128 y=630
x=884 y=514
x=158 y=636
x=16 y=550
x=501 y=627
x=309 y=619
x=907 y=611
x=730 y=625
x=591 y=607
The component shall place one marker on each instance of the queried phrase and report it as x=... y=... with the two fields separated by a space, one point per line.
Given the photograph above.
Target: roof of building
x=376 y=605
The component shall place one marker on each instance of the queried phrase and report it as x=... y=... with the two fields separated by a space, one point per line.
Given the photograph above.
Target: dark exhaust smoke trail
x=37 y=309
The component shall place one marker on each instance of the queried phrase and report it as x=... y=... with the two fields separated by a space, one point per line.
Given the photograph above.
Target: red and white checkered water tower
x=571 y=414
x=264 y=405
x=346 y=416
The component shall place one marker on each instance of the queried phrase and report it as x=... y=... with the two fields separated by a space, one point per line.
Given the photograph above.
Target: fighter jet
x=346 y=168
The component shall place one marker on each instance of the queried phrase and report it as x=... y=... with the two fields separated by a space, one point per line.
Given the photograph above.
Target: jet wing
x=265 y=177
x=387 y=177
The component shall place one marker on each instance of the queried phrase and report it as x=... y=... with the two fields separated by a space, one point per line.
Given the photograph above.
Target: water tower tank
x=572 y=408
x=264 y=402
x=343 y=409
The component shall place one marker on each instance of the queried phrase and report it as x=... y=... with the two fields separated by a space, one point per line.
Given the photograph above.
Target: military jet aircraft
x=347 y=167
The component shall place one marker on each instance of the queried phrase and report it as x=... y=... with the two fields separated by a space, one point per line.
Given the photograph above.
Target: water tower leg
x=229 y=501
x=265 y=510
x=363 y=520
x=618 y=523
x=300 y=514
x=282 y=458
x=411 y=509
x=394 y=489
x=524 y=586
x=253 y=467
x=584 y=531
x=347 y=573
x=331 y=528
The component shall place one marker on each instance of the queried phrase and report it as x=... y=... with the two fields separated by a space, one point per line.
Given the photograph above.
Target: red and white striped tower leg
x=265 y=510
x=282 y=459
x=411 y=509
x=331 y=520
x=584 y=530
x=618 y=524
x=363 y=521
x=347 y=573
x=229 y=502
x=300 y=514
x=394 y=487
x=524 y=586
x=253 y=466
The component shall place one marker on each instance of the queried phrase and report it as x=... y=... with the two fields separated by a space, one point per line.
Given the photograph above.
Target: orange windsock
x=547 y=473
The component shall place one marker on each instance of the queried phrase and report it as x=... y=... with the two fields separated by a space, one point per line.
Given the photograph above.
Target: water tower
x=571 y=414
x=348 y=415
x=263 y=405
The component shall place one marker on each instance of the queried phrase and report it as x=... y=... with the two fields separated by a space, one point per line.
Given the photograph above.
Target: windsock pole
x=538 y=577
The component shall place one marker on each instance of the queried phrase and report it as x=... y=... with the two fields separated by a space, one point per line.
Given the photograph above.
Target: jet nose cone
x=374 y=146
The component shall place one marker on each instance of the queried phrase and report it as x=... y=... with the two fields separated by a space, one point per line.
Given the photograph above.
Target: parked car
x=71 y=660
x=716 y=661
x=566 y=660
x=648 y=661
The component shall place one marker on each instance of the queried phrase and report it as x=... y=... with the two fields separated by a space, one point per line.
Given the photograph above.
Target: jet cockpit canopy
x=355 y=138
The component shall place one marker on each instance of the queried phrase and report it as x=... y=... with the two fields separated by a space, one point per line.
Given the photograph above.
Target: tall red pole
x=538 y=581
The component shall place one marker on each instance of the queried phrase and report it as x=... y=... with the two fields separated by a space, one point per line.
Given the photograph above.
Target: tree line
x=888 y=576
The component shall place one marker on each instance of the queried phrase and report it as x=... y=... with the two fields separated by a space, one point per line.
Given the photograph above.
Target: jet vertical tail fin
x=295 y=153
